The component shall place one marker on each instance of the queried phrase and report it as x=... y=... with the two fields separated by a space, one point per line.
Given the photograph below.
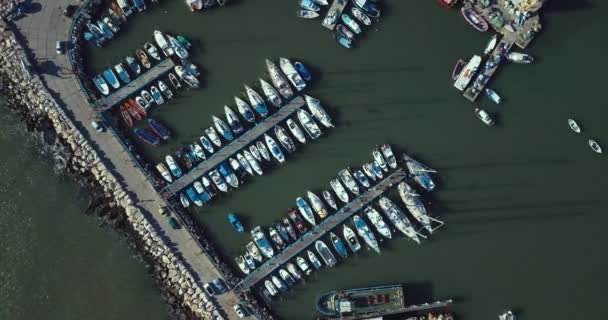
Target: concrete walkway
x=40 y=31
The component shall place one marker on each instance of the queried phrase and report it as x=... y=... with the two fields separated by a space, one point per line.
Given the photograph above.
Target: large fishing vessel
x=361 y=302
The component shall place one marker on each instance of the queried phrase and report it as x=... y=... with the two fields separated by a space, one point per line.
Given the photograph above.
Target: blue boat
x=370 y=7
x=96 y=32
x=107 y=32
x=109 y=75
x=140 y=4
x=133 y=65
x=309 y=5
x=257 y=102
x=122 y=73
x=92 y=39
x=159 y=129
x=193 y=195
x=343 y=41
x=146 y=136
x=236 y=223
x=302 y=70
x=338 y=245
x=228 y=174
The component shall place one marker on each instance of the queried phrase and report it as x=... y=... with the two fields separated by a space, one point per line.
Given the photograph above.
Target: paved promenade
x=40 y=31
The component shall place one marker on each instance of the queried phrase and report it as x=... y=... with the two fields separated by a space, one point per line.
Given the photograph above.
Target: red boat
x=138 y=107
x=132 y=112
x=125 y=116
x=474 y=19
x=447 y=3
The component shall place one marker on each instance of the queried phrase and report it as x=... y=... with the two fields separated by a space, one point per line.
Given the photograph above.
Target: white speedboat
x=369 y=171
x=253 y=162
x=152 y=51
x=309 y=124
x=351 y=239
x=178 y=48
x=233 y=120
x=222 y=128
x=240 y=261
x=244 y=109
x=293 y=271
x=467 y=73
x=165 y=89
x=326 y=255
x=388 y=154
x=318 y=112
x=519 y=57
x=206 y=144
x=184 y=200
x=303 y=265
x=142 y=102
x=330 y=199
x=260 y=239
x=365 y=233
x=245 y=163
x=284 y=139
x=484 y=116
x=272 y=290
x=218 y=181
x=377 y=169
x=274 y=148
x=173 y=167
x=292 y=74
x=162 y=42
x=278 y=79
x=271 y=94
x=491 y=44
x=595 y=146
x=253 y=250
x=213 y=136
x=198 y=151
x=376 y=219
x=362 y=178
x=188 y=78
x=349 y=181
x=574 y=126
x=314 y=260
x=255 y=152
x=160 y=167
x=414 y=205
x=249 y=260
x=317 y=204
x=279 y=284
x=398 y=218
x=379 y=158
x=361 y=16
x=263 y=150
x=257 y=103
x=492 y=95
x=507 y=316
x=339 y=190
x=420 y=173
x=306 y=210
x=296 y=131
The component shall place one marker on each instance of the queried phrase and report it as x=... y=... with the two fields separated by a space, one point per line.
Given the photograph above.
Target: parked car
x=219 y=285
x=97 y=126
x=239 y=311
x=209 y=289
x=59 y=47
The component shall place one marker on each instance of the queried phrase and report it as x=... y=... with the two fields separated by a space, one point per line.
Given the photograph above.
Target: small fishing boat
x=213 y=136
x=263 y=150
x=183 y=198
x=595 y=146
x=351 y=239
x=519 y=57
x=379 y=158
x=457 y=69
x=314 y=260
x=245 y=164
x=362 y=178
x=111 y=24
x=257 y=102
x=158 y=97
x=339 y=190
x=388 y=154
x=377 y=170
x=165 y=89
x=206 y=144
x=306 y=210
x=361 y=16
x=143 y=58
x=303 y=265
x=308 y=123
x=365 y=233
x=255 y=152
x=309 y=5
x=233 y=120
x=262 y=242
x=317 y=204
x=146 y=136
x=218 y=181
x=351 y=23
x=101 y=85
x=290 y=230
x=109 y=75
x=134 y=114
x=279 y=284
x=302 y=70
x=271 y=94
x=330 y=199
x=278 y=80
x=274 y=148
x=164 y=172
x=178 y=48
x=147 y=97
x=159 y=129
x=398 y=218
x=276 y=239
x=348 y=181
x=507 y=316
x=210 y=188
x=96 y=31
x=174 y=81
x=369 y=171
x=376 y=219
x=249 y=260
x=240 y=261
x=307 y=14
x=318 y=112
x=484 y=116
x=345 y=32
x=244 y=109
x=492 y=95
x=326 y=255
x=107 y=32
x=193 y=196
x=338 y=245
x=574 y=126
x=296 y=131
x=253 y=250
x=226 y=171
x=163 y=44
x=491 y=44
x=222 y=128
x=282 y=231
x=173 y=167
x=292 y=74
x=188 y=78
x=272 y=290
x=253 y=162
x=196 y=149
x=284 y=139
x=414 y=205
x=297 y=221
x=474 y=19
x=133 y=65
x=420 y=173
x=294 y=271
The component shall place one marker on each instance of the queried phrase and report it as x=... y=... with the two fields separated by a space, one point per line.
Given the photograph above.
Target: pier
x=335 y=9
x=133 y=87
x=320 y=230
x=235 y=146
x=494 y=59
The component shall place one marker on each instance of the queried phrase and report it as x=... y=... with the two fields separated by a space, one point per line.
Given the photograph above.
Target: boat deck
x=408 y=309
x=133 y=87
x=475 y=88
x=235 y=146
x=336 y=8
x=321 y=229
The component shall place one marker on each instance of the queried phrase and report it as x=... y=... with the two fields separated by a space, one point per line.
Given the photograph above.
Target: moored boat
x=595 y=146
x=165 y=89
x=275 y=237
x=474 y=19
x=240 y=261
x=206 y=144
x=292 y=74
x=278 y=80
x=398 y=218
x=122 y=73
x=351 y=23
x=263 y=150
x=279 y=284
x=414 y=205
x=388 y=154
x=253 y=162
x=361 y=16
x=574 y=126
x=132 y=112
x=519 y=57
x=183 y=198
x=282 y=231
x=125 y=7
x=339 y=190
x=96 y=31
x=325 y=253
x=133 y=65
x=218 y=181
x=178 y=48
x=308 y=123
x=351 y=239
x=345 y=32
x=491 y=44
x=365 y=233
x=284 y=139
x=303 y=265
x=146 y=136
x=245 y=164
x=420 y=173
x=362 y=303
x=196 y=149
x=262 y=242
x=173 y=167
x=309 y=5
x=210 y=188
x=376 y=219
x=109 y=75
x=159 y=129
x=338 y=245
x=143 y=58
x=493 y=95
x=188 y=78
x=302 y=70
x=377 y=170
x=193 y=196
x=212 y=134
x=160 y=167
x=174 y=81
x=162 y=43
x=255 y=152
x=330 y=199
x=457 y=69
x=296 y=131
x=484 y=116
x=317 y=111
x=297 y=221
x=223 y=128
x=271 y=93
x=379 y=158
x=158 y=97
x=307 y=14
x=249 y=260
x=253 y=250
x=314 y=260
x=257 y=102
x=369 y=171
x=107 y=31
x=147 y=97
x=274 y=148
x=226 y=171
x=306 y=210
x=348 y=181
x=293 y=271
x=362 y=178
x=244 y=109
x=233 y=120
x=290 y=230
x=343 y=41
x=272 y=290
x=101 y=85
x=317 y=204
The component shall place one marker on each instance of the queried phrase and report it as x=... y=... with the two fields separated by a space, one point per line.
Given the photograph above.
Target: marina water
x=524 y=203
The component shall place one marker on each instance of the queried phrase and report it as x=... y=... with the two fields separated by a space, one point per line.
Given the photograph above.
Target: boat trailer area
x=132 y=88
x=320 y=230
x=235 y=146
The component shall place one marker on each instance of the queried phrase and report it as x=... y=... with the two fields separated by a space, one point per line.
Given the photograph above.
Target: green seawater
x=524 y=203
x=57 y=263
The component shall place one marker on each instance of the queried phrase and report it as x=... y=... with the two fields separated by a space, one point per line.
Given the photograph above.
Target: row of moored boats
x=198 y=5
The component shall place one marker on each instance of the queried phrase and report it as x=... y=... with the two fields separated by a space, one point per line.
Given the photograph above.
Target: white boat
x=321 y=2
x=361 y=16
x=152 y=51
x=388 y=154
x=244 y=109
x=184 y=200
x=263 y=150
x=519 y=57
x=253 y=250
x=279 y=284
x=362 y=178
x=491 y=44
x=229 y=176
x=278 y=79
x=303 y=265
x=326 y=254
x=351 y=23
x=211 y=190
x=240 y=261
x=218 y=180
x=187 y=77
x=253 y=162
x=308 y=123
x=162 y=42
x=271 y=94
x=369 y=171
x=305 y=210
x=314 y=260
x=339 y=190
x=263 y=244
x=174 y=81
x=507 y=316
x=284 y=139
x=236 y=165
x=414 y=205
x=492 y=95
x=275 y=237
x=249 y=260
x=272 y=290
x=213 y=136
x=574 y=126
x=376 y=219
x=351 y=239
x=294 y=271
x=165 y=89
x=398 y=218
x=420 y=173
x=198 y=187
x=292 y=74
x=467 y=73
x=377 y=169
x=198 y=151
x=307 y=14
x=296 y=131
x=317 y=204
x=206 y=144
x=233 y=120
x=222 y=128
x=195 y=5
x=484 y=116
x=147 y=96
x=125 y=7
x=256 y=101
x=122 y=73
x=595 y=146
x=317 y=111
x=160 y=167
x=287 y=278
x=330 y=199
x=365 y=233
x=274 y=148
x=175 y=170
x=379 y=158
x=245 y=163
x=255 y=152
x=349 y=181
x=158 y=97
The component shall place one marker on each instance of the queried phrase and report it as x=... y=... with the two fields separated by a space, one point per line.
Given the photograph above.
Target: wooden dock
x=133 y=87
x=334 y=13
x=321 y=229
x=235 y=146
x=487 y=69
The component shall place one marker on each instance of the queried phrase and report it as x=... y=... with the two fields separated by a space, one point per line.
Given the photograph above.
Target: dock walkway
x=335 y=10
x=235 y=146
x=321 y=229
x=135 y=85
x=487 y=70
